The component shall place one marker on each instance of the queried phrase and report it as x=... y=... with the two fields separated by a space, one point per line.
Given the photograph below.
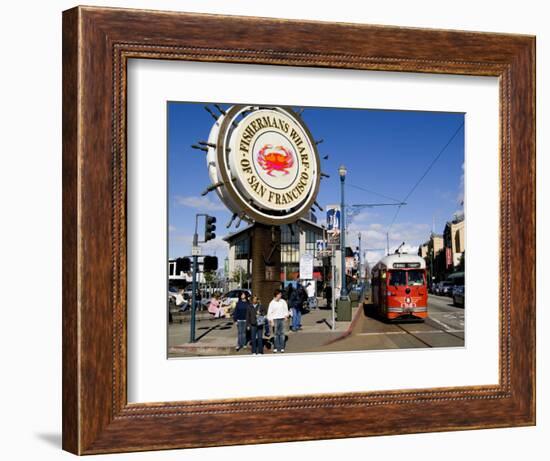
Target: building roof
x=310 y=223
x=456 y=220
x=232 y=235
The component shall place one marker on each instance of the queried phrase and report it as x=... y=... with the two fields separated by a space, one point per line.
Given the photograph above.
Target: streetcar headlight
x=389 y=293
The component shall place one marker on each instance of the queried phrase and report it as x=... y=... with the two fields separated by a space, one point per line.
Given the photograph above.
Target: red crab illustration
x=281 y=159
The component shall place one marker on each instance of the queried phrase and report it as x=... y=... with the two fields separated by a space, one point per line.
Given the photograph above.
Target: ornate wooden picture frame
x=97 y=44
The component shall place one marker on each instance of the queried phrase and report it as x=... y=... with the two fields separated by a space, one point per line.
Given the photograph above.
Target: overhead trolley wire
x=436 y=158
x=372 y=192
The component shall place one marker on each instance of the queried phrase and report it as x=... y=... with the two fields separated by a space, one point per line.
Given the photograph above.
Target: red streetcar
x=399 y=287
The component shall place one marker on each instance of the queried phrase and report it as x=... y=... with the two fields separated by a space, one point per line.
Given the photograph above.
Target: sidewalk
x=219 y=336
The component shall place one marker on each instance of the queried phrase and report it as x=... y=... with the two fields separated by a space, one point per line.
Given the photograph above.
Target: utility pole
x=209 y=234
x=359 y=261
x=333 y=288
x=342 y=172
x=332 y=249
x=432 y=252
x=195 y=255
x=387 y=243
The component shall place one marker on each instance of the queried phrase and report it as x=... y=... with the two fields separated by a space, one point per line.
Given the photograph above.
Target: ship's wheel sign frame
x=265 y=163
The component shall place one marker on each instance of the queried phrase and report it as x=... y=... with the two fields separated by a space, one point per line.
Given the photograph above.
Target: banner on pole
x=306 y=266
x=333 y=224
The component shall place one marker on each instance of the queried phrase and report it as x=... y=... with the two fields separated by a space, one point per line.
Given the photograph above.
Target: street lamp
x=342 y=172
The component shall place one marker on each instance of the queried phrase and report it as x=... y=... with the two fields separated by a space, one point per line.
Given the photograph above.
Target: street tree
x=239 y=275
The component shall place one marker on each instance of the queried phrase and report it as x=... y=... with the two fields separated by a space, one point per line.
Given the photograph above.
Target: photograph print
x=298 y=230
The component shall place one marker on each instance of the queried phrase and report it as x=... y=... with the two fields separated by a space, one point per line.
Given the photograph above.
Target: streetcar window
x=398 y=278
x=416 y=277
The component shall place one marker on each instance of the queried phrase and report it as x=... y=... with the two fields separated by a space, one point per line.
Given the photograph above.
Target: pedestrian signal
x=210 y=263
x=183 y=265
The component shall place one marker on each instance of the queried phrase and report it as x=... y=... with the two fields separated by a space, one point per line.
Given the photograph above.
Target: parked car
x=443 y=288
x=205 y=298
x=458 y=295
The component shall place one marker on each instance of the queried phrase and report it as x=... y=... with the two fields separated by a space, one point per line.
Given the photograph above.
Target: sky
x=386 y=153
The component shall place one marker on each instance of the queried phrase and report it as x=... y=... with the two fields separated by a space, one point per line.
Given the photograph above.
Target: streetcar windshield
x=416 y=277
x=398 y=278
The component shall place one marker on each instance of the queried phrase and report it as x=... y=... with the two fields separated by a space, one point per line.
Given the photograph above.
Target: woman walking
x=255 y=321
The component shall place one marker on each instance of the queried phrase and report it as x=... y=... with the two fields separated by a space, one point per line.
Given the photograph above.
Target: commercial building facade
x=444 y=253
x=295 y=239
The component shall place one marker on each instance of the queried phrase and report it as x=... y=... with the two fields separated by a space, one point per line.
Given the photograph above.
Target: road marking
x=373 y=333
x=444 y=325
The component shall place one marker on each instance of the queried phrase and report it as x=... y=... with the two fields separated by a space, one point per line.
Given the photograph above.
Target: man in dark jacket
x=239 y=317
x=295 y=303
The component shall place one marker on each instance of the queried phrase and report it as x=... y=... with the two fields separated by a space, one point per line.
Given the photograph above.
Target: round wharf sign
x=266 y=161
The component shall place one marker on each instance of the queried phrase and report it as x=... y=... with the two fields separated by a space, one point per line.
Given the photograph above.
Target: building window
x=289 y=235
x=311 y=241
x=290 y=253
x=242 y=248
x=457 y=242
x=290 y=244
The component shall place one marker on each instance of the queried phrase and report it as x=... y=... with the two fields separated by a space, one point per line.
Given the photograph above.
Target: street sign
x=306 y=266
x=196 y=251
x=321 y=245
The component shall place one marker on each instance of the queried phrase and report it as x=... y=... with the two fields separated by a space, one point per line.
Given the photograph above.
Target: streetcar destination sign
x=406 y=265
x=266 y=161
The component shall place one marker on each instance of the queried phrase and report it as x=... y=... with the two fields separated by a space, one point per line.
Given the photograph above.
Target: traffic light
x=210 y=263
x=209 y=228
x=183 y=265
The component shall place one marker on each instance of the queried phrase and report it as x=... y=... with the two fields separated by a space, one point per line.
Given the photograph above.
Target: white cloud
x=460 y=195
x=201 y=203
x=172 y=229
x=373 y=238
x=361 y=217
x=216 y=247
x=183 y=239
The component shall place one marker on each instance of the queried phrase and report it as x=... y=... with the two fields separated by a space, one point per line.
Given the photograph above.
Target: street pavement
x=219 y=336
x=443 y=328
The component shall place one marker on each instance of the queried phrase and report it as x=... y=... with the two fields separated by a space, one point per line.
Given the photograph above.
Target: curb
x=202 y=349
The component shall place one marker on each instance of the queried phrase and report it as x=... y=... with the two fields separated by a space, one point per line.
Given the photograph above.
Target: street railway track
x=432 y=324
x=413 y=335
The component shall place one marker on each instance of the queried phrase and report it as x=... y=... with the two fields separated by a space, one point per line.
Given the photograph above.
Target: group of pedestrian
x=255 y=323
x=252 y=317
